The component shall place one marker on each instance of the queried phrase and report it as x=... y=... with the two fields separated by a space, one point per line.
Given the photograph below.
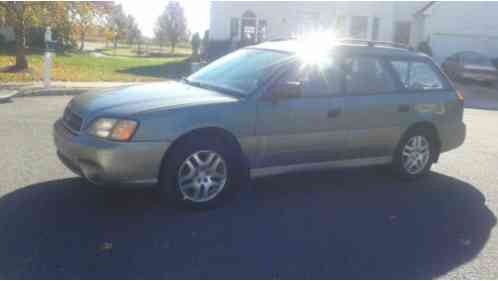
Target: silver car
x=272 y=108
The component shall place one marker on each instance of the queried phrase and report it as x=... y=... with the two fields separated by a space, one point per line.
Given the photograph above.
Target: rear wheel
x=415 y=154
x=202 y=174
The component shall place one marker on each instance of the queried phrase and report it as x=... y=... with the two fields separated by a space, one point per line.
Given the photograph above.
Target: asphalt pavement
x=355 y=223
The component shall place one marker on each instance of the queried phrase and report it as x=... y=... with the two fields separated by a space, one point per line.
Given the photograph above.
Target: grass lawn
x=86 y=67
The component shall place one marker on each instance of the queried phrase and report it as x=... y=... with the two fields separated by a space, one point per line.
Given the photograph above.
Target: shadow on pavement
x=171 y=70
x=326 y=225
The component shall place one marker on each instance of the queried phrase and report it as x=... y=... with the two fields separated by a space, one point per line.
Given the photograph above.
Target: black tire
x=398 y=166
x=235 y=167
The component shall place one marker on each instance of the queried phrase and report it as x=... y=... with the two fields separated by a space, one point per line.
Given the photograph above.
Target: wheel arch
x=429 y=126
x=215 y=132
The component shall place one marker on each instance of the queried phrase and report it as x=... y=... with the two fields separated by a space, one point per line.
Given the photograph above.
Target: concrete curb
x=6 y=95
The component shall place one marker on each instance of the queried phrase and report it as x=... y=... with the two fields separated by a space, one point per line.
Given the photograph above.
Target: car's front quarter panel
x=238 y=118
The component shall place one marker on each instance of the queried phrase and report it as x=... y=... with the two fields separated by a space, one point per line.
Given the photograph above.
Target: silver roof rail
x=371 y=43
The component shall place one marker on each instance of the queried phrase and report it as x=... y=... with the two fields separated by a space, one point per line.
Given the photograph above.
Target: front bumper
x=107 y=162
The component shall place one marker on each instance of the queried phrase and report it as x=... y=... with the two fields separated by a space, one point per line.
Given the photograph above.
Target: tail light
x=459 y=96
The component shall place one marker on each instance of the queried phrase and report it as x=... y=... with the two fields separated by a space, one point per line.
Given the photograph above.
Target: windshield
x=240 y=72
x=477 y=59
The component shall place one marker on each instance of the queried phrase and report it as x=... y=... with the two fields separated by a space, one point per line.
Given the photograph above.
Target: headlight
x=113 y=129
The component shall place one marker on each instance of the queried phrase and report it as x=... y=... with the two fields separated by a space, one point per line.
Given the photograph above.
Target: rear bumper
x=104 y=162
x=452 y=136
x=484 y=77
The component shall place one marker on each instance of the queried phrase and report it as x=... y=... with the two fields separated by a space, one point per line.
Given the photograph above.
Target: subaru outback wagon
x=272 y=108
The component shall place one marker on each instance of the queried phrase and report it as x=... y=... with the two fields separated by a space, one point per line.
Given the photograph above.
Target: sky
x=146 y=13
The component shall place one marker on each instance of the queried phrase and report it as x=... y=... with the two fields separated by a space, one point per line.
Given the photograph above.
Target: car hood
x=135 y=99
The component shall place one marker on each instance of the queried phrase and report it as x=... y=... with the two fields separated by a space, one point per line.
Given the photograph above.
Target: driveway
x=358 y=223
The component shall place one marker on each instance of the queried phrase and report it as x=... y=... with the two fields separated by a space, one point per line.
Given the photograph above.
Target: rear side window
x=417 y=75
x=367 y=76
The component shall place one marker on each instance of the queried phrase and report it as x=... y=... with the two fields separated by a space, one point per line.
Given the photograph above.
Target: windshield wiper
x=211 y=87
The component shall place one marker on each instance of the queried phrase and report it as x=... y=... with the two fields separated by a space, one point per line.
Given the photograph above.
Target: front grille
x=71 y=120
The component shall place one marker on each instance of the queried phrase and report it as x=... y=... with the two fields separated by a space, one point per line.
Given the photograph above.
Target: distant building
x=450 y=26
x=460 y=26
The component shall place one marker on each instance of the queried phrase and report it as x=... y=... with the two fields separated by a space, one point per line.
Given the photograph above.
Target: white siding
x=286 y=18
x=451 y=26
x=463 y=26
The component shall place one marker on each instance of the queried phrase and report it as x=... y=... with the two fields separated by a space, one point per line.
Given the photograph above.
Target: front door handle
x=333 y=113
x=404 y=108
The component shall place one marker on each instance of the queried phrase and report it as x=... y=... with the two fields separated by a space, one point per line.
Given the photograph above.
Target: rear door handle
x=333 y=113
x=404 y=108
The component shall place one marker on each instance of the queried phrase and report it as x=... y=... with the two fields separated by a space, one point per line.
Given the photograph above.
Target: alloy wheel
x=202 y=176
x=416 y=154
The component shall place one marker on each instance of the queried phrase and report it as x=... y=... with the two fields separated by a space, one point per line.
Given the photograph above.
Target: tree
x=425 y=47
x=160 y=37
x=22 y=15
x=117 y=23
x=172 y=24
x=60 y=15
x=84 y=15
x=196 y=44
x=133 y=32
x=205 y=43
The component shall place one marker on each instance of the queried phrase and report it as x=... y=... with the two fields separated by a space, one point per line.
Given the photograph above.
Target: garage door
x=445 y=45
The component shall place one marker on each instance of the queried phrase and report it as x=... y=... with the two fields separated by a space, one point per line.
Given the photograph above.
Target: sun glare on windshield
x=314 y=47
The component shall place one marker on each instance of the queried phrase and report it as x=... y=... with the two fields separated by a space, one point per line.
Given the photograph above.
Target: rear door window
x=367 y=76
x=415 y=75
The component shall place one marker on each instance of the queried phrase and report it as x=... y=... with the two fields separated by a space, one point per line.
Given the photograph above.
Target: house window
x=375 y=29
x=340 y=25
x=308 y=21
x=262 y=26
x=249 y=31
x=402 y=31
x=359 y=27
x=234 y=27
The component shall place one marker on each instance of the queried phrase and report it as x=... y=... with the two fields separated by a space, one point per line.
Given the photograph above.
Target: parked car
x=470 y=66
x=272 y=108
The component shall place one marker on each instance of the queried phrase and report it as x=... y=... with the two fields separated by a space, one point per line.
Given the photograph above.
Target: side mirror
x=287 y=90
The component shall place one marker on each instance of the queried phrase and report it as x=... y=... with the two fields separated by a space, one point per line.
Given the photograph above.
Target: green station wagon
x=271 y=108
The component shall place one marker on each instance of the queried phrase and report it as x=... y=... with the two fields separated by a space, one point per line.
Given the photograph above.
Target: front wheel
x=201 y=175
x=415 y=154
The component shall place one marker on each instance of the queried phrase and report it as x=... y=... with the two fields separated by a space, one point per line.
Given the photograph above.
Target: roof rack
x=370 y=43
x=277 y=39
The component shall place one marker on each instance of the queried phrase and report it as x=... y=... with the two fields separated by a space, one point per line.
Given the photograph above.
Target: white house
x=450 y=26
